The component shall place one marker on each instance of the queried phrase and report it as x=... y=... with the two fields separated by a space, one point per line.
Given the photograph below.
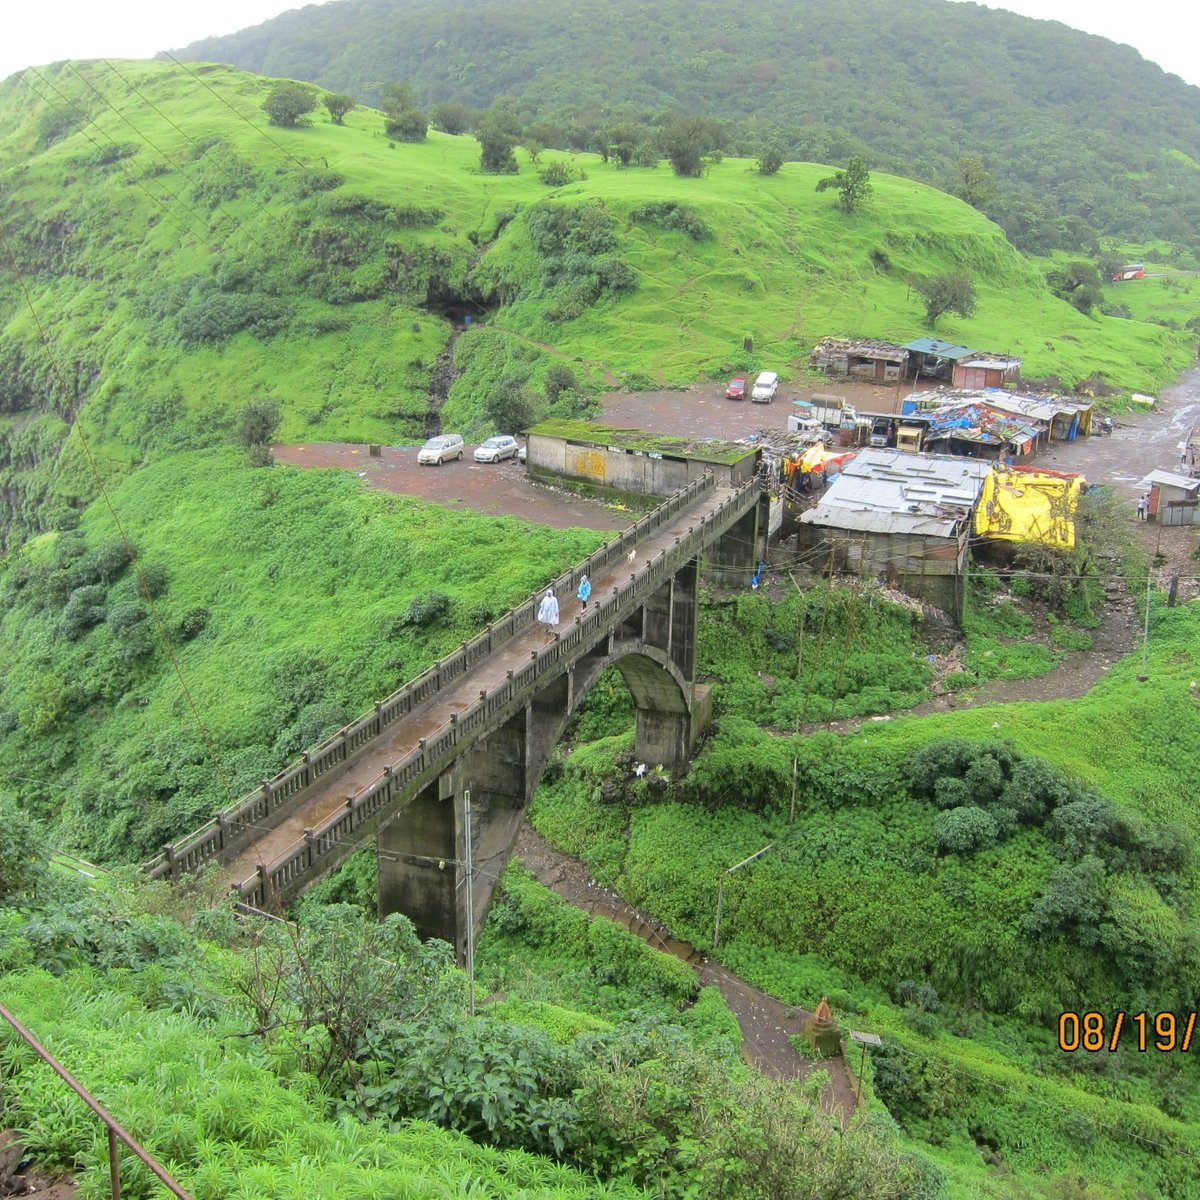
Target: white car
x=496 y=448
x=765 y=387
x=438 y=449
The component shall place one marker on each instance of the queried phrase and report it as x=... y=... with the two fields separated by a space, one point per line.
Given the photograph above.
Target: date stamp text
x=1144 y=1032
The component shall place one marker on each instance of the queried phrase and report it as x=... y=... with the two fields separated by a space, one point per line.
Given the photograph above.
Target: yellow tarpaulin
x=1028 y=505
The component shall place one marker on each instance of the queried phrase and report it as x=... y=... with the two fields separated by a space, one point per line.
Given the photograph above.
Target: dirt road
x=498 y=489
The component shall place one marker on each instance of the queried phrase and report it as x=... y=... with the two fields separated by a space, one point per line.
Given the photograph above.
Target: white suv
x=765 y=387
x=438 y=449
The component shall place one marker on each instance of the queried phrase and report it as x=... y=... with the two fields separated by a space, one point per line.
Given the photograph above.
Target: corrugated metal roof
x=890 y=491
x=939 y=349
x=1170 y=479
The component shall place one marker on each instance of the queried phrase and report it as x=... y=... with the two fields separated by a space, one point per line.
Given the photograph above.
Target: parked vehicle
x=765 y=387
x=521 y=454
x=496 y=448
x=438 y=449
x=736 y=390
x=882 y=431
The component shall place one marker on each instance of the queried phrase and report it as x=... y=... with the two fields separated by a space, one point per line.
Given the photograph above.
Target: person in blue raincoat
x=584 y=592
x=548 y=613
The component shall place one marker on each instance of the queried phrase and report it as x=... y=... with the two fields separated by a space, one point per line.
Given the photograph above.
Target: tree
x=688 y=141
x=257 y=423
x=339 y=104
x=411 y=125
x=951 y=292
x=853 y=184
x=1078 y=283
x=498 y=132
x=770 y=160
x=289 y=104
x=405 y=121
x=450 y=117
x=973 y=183
x=510 y=407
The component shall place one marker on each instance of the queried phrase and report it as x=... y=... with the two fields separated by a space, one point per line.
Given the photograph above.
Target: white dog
x=632 y=556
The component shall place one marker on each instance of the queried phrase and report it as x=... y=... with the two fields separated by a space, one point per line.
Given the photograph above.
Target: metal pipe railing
x=115 y=1132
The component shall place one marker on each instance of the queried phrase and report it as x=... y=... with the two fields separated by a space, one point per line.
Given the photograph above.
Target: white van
x=439 y=449
x=765 y=387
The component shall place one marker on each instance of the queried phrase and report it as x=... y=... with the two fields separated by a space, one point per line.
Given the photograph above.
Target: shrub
x=559 y=174
x=770 y=161
x=1087 y=826
x=85 y=609
x=125 y=616
x=427 y=609
x=193 y=622
x=153 y=580
x=670 y=214
x=24 y=852
x=110 y=559
x=965 y=830
x=950 y=792
x=1035 y=789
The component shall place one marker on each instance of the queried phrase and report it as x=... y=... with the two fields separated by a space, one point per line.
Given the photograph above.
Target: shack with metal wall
x=902 y=517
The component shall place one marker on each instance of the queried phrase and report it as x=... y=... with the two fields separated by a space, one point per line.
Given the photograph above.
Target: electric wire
x=218 y=207
x=239 y=114
x=133 y=179
x=197 y=146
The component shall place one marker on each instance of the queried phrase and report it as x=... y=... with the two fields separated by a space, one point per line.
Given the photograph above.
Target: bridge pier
x=418 y=856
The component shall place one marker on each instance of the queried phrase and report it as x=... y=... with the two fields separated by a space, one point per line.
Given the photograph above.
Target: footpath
x=766 y=1023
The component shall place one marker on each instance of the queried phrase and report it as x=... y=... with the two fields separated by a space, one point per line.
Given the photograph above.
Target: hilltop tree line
x=1082 y=139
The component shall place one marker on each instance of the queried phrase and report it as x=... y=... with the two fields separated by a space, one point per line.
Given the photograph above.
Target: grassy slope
x=853 y=900
x=306 y=578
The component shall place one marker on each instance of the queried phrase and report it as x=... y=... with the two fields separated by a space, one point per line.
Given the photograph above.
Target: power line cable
x=240 y=115
x=197 y=146
x=165 y=156
x=133 y=179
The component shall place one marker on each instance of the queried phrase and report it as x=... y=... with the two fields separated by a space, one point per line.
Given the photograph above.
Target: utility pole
x=469 y=867
x=721 y=888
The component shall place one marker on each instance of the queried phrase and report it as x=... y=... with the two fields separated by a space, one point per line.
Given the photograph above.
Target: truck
x=831 y=411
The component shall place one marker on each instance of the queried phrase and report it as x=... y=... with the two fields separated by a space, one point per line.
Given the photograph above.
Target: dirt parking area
x=499 y=489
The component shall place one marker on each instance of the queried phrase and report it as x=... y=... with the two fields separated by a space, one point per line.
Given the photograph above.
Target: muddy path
x=765 y=1022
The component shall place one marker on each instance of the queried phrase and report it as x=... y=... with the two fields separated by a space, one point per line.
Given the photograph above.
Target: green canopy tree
x=853 y=185
x=339 y=104
x=289 y=104
x=498 y=132
x=950 y=292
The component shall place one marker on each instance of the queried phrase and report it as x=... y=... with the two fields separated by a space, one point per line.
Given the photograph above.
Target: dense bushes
x=670 y=214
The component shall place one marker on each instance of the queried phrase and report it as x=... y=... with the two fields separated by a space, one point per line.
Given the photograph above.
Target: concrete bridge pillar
x=418 y=854
x=740 y=546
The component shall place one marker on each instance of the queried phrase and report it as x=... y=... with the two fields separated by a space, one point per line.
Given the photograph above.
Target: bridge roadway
x=434 y=715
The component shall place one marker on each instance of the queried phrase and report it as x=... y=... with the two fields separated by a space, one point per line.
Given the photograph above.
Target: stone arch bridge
x=486 y=719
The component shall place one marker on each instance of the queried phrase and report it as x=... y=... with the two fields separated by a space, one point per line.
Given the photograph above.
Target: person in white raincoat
x=548 y=613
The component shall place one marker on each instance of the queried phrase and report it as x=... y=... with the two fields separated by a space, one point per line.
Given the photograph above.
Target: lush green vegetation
x=183 y=258
x=952 y=882
x=1073 y=135
x=345 y=591
x=336 y=1057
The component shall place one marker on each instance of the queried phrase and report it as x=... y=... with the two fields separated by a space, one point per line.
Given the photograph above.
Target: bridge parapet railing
x=231 y=829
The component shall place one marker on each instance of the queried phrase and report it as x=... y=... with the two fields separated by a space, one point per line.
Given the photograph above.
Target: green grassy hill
x=182 y=256
x=1082 y=136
